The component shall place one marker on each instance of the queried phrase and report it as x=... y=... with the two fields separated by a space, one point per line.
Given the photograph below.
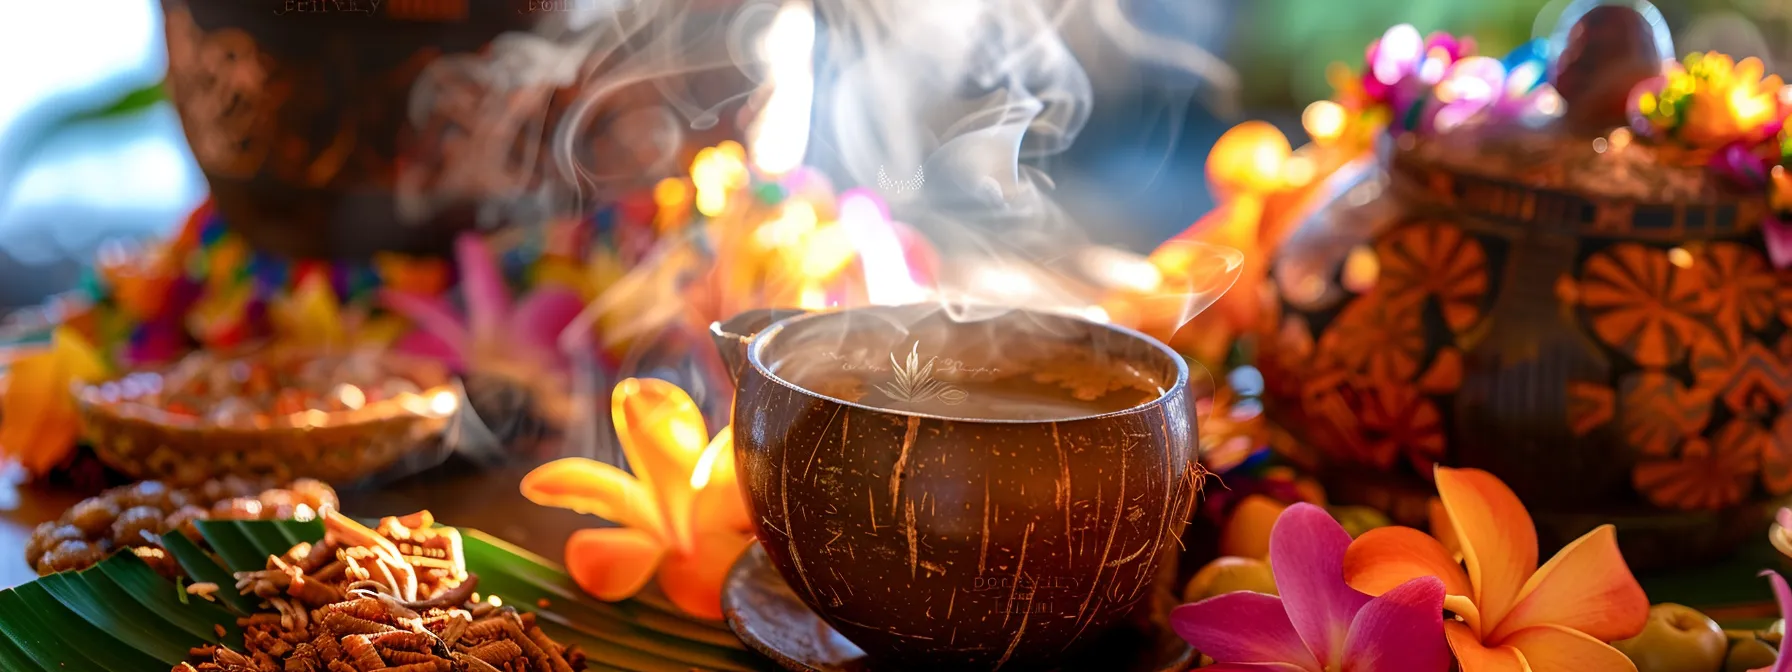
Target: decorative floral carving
x=1657 y=412
x=1709 y=474
x=1742 y=288
x=1776 y=456
x=1638 y=302
x=1397 y=420
x=1381 y=339
x=1434 y=259
x=1590 y=406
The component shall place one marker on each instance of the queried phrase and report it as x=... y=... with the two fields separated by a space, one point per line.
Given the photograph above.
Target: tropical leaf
x=120 y=616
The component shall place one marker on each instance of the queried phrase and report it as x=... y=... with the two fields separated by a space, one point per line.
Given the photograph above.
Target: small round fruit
x=1246 y=533
x=1677 y=638
x=132 y=526
x=1230 y=575
x=1750 y=653
x=93 y=515
x=1359 y=519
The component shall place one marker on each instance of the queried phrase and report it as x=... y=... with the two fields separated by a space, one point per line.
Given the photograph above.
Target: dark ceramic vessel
x=947 y=543
x=1591 y=322
x=299 y=113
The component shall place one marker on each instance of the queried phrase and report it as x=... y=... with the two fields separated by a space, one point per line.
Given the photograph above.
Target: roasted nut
x=70 y=555
x=145 y=493
x=93 y=515
x=134 y=523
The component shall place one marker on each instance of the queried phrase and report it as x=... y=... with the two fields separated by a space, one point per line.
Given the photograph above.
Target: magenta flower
x=1783 y=594
x=494 y=335
x=1319 y=623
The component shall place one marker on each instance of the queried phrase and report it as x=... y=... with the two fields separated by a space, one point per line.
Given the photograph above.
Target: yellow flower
x=680 y=515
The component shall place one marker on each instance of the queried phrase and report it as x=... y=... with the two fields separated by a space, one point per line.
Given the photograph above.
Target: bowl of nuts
x=275 y=415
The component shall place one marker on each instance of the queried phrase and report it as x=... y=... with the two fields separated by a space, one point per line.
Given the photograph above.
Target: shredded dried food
x=395 y=598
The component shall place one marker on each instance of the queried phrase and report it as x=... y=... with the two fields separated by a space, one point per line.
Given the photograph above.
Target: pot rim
x=1175 y=390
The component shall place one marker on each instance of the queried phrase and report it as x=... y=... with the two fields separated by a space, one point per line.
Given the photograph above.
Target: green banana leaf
x=120 y=616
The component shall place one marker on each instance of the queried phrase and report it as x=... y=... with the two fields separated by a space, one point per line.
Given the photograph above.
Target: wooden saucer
x=768 y=616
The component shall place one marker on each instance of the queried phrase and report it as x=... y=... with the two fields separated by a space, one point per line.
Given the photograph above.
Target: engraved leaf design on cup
x=913 y=382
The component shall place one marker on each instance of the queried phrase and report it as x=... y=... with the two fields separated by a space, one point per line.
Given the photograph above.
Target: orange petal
x=1552 y=648
x=1388 y=556
x=1464 y=607
x=720 y=503
x=595 y=488
x=663 y=435
x=1586 y=587
x=1499 y=541
x=1441 y=527
x=693 y=580
x=1472 y=656
x=612 y=563
x=38 y=422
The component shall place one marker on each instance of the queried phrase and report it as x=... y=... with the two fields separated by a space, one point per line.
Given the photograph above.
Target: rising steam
x=948 y=110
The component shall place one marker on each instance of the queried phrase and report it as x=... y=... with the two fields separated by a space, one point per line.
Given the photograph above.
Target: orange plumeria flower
x=1514 y=616
x=680 y=514
x=39 y=422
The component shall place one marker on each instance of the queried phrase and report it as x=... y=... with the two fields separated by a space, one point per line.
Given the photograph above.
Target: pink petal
x=1783 y=594
x=1784 y=518
x=1779 y=241
x=1253 y=667
x=430 y=314
x=1401 y=630
x=1397 y=54
x=540 y=318
x=430 y=346
x=1306 y=550
x=1242 y=627
x=488 y=300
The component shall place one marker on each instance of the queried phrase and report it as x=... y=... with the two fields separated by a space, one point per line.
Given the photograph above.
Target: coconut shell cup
x=341 y=446
x=953 y=543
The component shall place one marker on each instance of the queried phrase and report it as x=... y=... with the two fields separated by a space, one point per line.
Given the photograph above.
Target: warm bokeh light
x=888 y=279
x=1248 y=158
x=1324 y=121
x=780 y=134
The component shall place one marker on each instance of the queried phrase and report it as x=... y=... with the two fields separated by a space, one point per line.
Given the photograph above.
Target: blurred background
x=90 y=151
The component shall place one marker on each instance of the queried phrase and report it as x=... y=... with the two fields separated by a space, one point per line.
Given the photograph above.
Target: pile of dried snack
x=135 y=517
x=393 y=598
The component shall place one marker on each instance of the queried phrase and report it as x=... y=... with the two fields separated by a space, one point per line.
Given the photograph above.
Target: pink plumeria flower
x=495 y=333
x=1783 y=594
x=1318 y=624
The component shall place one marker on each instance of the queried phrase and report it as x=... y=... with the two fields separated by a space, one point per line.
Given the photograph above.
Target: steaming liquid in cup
x=1027 y=474
x=1041 y=382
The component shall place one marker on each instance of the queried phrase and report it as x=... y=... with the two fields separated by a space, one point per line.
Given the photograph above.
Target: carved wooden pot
x=963 y=544
x=1584 y=317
